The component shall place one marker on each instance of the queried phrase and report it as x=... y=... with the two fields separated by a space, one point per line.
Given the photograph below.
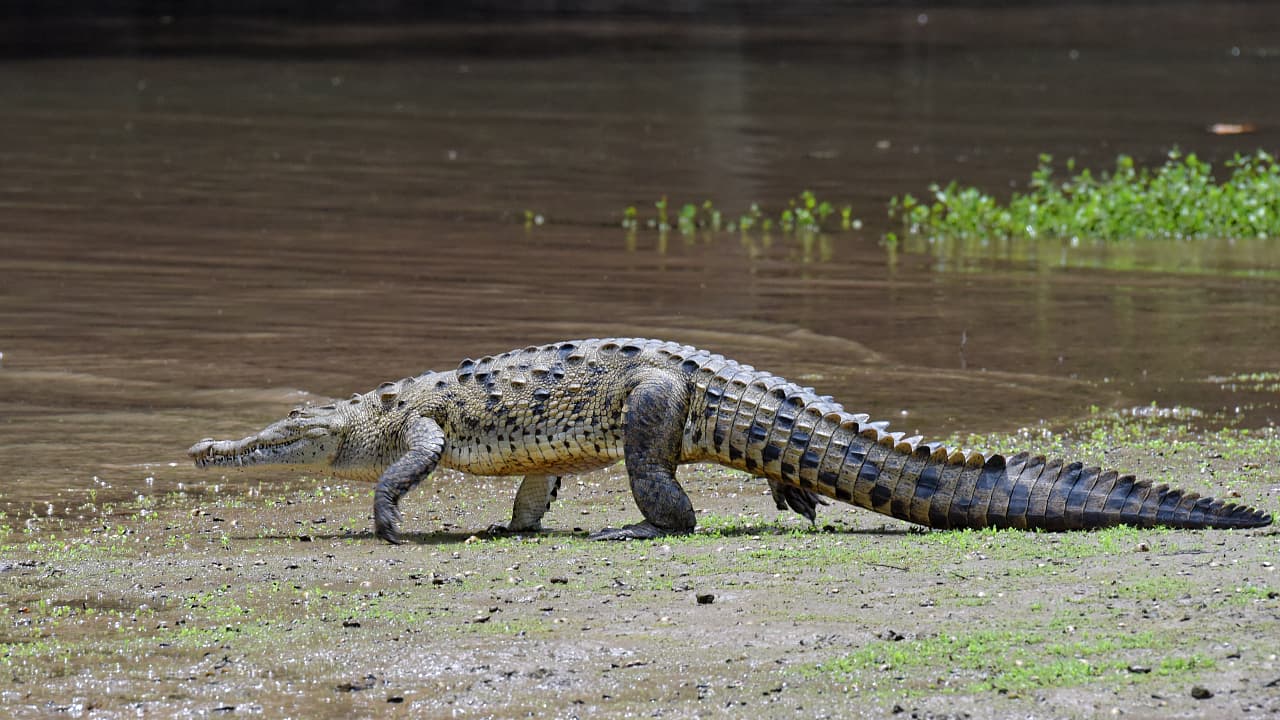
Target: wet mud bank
x=273 y=599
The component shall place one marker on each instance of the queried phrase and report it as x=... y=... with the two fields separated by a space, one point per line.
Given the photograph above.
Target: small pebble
x=705 y=598
x=1200 y=692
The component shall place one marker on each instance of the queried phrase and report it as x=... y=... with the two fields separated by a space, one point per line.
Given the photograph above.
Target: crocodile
x=570 y=407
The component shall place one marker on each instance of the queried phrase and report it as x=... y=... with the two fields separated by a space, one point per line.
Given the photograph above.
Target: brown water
x=190 y=244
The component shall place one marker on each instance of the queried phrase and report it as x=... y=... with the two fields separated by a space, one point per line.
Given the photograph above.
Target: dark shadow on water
x=256 y=39
x=303 y=30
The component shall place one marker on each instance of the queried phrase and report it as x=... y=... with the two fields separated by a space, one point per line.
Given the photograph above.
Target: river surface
x=193 y=242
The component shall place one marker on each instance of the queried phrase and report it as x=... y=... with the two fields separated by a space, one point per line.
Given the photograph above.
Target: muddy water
x=191 y=245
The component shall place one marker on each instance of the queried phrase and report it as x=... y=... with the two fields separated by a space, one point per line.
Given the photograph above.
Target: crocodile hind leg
x=801 y=501
x=426 y=443
x=653 y=419
x=533 y=500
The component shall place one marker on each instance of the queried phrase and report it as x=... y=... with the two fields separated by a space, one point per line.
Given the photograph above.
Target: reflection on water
x=190 y=245
x=1243 y=258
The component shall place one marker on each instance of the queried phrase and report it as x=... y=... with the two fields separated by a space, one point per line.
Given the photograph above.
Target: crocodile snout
x=201 y=451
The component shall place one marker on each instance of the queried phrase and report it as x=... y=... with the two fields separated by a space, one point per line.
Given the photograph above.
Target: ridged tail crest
x=768 y=426
x=847 y=458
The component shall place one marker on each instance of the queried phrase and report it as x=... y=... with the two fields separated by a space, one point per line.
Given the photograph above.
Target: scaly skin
x=571 y=407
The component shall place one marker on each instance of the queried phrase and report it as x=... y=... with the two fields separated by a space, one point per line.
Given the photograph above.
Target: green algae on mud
x=282 y=603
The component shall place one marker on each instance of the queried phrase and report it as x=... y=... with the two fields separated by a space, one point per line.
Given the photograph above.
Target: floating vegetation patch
x=804 y=213
x=1179 y=200
x=1177 y=412
x=1264 y=382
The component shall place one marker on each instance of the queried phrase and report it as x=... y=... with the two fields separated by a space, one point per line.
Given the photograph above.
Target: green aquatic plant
x=1178 y=200
x=805 y=213
x=630 y=217
x=713 y=216
x=688 y=220
x=751 y=218
x=532 y=219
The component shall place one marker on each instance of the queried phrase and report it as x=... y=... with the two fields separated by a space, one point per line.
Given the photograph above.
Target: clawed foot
x=386 y=520
x=804 y=502
x=389 y=534
x=639 y=531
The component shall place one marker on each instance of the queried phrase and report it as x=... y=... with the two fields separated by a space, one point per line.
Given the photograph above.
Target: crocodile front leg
x=426 y=443
x=653 y=429
x=533 y=500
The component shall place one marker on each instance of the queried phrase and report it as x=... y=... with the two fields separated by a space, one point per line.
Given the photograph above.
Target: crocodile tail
x=930 y=485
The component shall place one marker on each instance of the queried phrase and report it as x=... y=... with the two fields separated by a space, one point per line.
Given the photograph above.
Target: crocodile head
x=356 y=438
x=314 y=436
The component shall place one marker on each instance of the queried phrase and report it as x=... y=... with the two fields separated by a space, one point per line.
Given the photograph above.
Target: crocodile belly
x=574 y=450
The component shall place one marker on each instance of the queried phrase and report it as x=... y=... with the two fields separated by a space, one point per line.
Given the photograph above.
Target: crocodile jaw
x=251 y=451
x=303 y=438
